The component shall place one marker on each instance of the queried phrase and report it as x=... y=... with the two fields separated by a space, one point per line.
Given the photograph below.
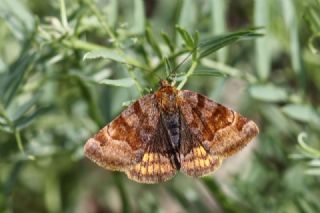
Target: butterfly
x=168 y=131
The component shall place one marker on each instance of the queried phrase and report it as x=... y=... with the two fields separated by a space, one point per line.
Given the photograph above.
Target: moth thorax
x=169 y=103
x=167 y=99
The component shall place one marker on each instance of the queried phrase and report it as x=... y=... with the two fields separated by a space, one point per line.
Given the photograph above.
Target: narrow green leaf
x=315 y=162
x=2 y=120
x=91 y=98
x=196 y=39
x=313 y=172
x=268 y=93
x=5 y=128
x=97 y=77
x=25 y=121
x=167 y=41
x=195 y=45
x=139 y=17
x=168 y=66
x=262 y=52
x=303 y=113
x=105 y=54
x=120 y=184
x=103 y=74
x=13 y=79
x=210 y=45
x=63 y=14
x=18 y=18
x=112 y=12
x=9 y=182
x=218 y=23
x=52 y=191
x=186 y=37
x=188 y=15
x=22 y=109
x=208 y=72
x=312 y=16
x=289 y=11
x=124 y=82
x=153 y=42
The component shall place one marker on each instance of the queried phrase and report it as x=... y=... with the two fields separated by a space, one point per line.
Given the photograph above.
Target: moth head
x=164 y=83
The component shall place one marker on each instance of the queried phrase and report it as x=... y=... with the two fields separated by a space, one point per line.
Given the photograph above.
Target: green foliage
x=68 y=67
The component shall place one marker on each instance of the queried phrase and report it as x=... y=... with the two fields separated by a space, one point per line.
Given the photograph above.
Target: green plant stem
x=189 y=73
x=307 y=148
x=123 y=194
x=63 y=14
x=83 y=45
x=18 y=139
x=13 y=129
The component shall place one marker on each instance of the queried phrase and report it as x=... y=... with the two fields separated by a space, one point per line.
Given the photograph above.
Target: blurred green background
x=67 y=68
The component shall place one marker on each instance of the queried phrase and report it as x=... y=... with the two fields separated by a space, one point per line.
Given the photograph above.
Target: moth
x=168 y=131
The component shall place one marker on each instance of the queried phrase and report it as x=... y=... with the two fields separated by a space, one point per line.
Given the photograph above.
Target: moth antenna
x=174 y=71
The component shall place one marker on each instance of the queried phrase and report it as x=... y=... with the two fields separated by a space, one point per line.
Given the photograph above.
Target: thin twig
x=189 y=73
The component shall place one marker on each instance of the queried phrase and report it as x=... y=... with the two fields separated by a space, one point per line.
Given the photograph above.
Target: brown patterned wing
x=127 y=144
x=210 y=132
